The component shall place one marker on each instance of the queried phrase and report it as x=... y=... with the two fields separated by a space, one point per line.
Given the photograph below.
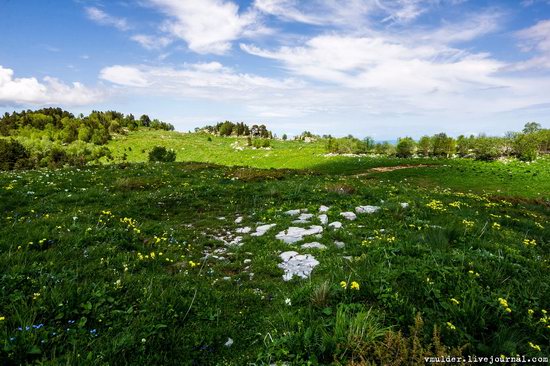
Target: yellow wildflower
x=355 y=286
x=534 y=346
x=344 y=284
x=2 y=318
x=451 y=326
x=455 y=301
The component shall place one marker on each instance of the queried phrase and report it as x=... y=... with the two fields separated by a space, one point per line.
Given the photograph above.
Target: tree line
x=229 y=128
x=526 y=145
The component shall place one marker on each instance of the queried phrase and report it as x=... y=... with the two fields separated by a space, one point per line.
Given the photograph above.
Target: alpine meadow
x=274 y=182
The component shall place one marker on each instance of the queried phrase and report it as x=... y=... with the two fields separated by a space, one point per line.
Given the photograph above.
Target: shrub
x=160 y=153
x=526 y=146
x=258 y=143
x=405 y=147
x=13 y=155
x=487 y=148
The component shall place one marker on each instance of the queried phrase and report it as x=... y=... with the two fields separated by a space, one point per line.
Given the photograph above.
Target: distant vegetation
x=54 y=137
x=526 y=145
x=228 y=128
x=162 y=154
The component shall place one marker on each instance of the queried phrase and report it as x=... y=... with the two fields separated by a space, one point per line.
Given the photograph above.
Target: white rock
x=295 y=264
x=303 y=219
x=292 y=212
x=238 y=220
x=229 y=342
x=313 y=245
x=404 y=204
x=324 y=219
x=246 y=261
x=324 y=209
x=339 y=244
x=366 y=209
x=236 y=242
x=348 y=215
x=261 y=230
x=244 y=230
x=294 y=234
x=335 y=224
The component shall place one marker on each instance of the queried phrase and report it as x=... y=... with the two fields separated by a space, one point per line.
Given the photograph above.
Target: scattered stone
x=324 y=209
x=238 y=220
x=324 y=219
x=348 y=215
x=366 y=209
x=294 y=234
x=221 y=218
x=404 y=204
x=236 y=242
x=335 y=225
x=226 y=278
x=229 y=342
x=339 y=244
x=295 y=264
x=314 y=245
x=303 y=219
x=244 y=230
x=292 y=212
x=246 y=261
x=261 y=230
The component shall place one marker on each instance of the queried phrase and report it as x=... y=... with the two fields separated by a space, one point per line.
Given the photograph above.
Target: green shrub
x=526 y=146
x=160 y=153
x=259 y=143
x=405 y=147
x=13 y=155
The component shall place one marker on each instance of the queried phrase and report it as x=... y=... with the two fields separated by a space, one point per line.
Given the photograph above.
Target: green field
x=139 y=263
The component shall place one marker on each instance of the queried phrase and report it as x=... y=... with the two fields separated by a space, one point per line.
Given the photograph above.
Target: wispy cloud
x=101 y=17
x=152 y=42
x=535 y=39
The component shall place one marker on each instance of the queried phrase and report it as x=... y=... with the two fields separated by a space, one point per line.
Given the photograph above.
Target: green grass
x=77 y=267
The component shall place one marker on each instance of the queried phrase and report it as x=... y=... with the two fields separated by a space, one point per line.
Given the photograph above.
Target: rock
x=243 y=230
x=229 y=342
x=339 y=244
x=238 y=220
x=303 y=219
x=324 y=209
x=324 y=219
x=294 y=234
x=348 y=215
x=404 y=204
x=349 y=258
x=292 y=212
x=366 y=209
x=313 y=245
x=246 y=261
x=295 y=264
x=335 y=224
x=261 y=230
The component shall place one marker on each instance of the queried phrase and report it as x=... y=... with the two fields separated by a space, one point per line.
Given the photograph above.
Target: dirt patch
x=384 y=169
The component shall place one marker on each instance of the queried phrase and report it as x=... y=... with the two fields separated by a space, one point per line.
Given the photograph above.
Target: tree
x=405 y=147
x=145 y=120
x=13 y=155
x=284 y=137
x=442 y=145
x=526 y=146
x=531 y=127
x=425 y=146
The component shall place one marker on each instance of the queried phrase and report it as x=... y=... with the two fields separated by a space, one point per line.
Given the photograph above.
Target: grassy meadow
x=162 y=264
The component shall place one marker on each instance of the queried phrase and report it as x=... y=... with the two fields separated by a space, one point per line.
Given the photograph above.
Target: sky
x=379 y=68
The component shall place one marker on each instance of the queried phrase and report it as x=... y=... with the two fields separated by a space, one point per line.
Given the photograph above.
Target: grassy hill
x=140 y=263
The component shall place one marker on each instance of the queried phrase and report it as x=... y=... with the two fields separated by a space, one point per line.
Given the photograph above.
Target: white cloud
x=207 y=26
x=535 y=39
x=152 y=42
x=204 y=80
x=30 y=91
x=101 y=17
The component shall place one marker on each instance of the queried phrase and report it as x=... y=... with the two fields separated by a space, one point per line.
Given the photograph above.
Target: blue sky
x=367 y=67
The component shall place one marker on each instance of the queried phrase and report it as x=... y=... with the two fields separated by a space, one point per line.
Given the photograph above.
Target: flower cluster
x=504 y=304
x=529 y=243
x=354 y=285
x=436 y=205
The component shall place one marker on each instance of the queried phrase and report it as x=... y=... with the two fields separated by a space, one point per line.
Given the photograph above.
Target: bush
x=405 y=147
x=487 y=148
x=13 y=155
x=160 y=153
x=258 y=143
x=526 y=146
